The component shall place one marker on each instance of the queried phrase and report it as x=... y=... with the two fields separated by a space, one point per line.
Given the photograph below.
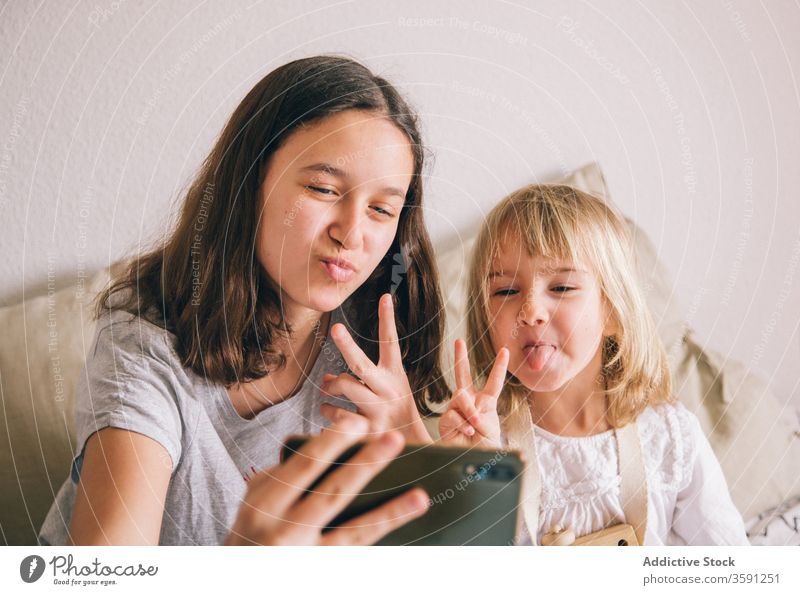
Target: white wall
x=693 y=110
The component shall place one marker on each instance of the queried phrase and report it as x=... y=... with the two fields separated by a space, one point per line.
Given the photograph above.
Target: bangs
x=549 y=222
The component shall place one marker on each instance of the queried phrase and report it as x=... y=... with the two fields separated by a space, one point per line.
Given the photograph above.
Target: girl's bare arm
x=122 y=489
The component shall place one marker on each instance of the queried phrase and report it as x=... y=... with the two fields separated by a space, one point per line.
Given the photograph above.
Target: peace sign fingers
x=497 y=377
x=390 y=355
x=462 y=371
x=473 y=414
x=356 y=359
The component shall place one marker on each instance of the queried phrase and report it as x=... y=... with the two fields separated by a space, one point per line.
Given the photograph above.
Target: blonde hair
x=561 y=222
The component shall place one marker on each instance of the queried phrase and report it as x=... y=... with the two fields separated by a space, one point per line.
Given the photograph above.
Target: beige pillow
x=41 y=355
x=758 y=451
x=746 y=425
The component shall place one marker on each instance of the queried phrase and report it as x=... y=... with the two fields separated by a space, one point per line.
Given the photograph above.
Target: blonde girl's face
x=551 y=315
x=331 y=202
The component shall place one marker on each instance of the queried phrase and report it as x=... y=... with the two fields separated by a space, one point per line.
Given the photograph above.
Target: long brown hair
x=204 y=283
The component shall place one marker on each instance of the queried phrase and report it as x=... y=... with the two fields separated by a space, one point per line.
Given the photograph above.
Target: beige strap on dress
x=633 y=479
x=519 y=433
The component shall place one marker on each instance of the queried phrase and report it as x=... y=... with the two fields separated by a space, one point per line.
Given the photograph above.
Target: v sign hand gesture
x=471 y=419
x=381 y=392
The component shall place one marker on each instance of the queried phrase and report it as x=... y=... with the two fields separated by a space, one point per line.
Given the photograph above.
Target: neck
x=305 y=324
x=579 y=408
x=301 y=348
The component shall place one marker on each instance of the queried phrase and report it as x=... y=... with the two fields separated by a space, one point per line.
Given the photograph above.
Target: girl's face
x=551 y=315
x=331 y=202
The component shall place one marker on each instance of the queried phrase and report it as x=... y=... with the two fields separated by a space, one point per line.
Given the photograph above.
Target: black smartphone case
x=474 y=494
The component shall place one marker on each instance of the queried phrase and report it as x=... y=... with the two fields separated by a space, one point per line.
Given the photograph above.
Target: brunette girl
x=211 y=348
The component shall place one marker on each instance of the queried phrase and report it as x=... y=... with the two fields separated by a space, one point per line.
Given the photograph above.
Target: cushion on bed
x=42 y=352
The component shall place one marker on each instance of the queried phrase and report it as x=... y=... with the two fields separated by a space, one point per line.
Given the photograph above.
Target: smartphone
x=473 y=494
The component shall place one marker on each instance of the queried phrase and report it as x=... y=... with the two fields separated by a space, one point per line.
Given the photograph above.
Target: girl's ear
x=611 y=326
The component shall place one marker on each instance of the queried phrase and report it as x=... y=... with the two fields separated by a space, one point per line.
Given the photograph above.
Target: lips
x=532 y=344
x=339 y=269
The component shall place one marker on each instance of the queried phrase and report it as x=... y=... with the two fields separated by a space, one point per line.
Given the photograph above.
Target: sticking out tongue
x=539 y=355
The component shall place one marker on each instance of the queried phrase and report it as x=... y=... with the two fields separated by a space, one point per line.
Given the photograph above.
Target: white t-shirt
x=688 y=498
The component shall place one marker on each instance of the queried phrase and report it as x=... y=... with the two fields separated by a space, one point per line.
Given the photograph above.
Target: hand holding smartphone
x=473 y=493
x=277 y=509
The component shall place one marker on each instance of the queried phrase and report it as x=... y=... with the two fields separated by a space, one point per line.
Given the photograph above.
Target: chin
x=326 y=299
x=543 y=386
x=544 y=382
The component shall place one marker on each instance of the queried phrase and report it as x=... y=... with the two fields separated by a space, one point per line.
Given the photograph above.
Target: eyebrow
x=502 y=273
x=326 y=168
x=337 y=172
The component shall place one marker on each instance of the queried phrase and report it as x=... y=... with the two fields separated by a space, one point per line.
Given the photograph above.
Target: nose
x=534 y=311
x=346 y=227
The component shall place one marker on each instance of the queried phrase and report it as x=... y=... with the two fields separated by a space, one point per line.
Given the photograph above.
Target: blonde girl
x=553 y=292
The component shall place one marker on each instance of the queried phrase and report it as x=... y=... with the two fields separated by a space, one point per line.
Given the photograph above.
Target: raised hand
x=471 y=419
x=381 y=392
